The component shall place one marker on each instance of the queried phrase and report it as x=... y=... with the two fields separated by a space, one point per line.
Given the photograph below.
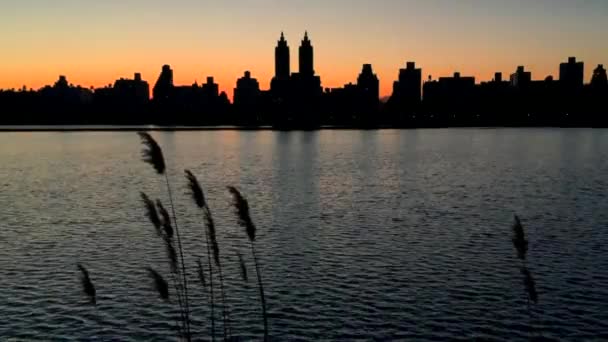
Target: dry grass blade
x=242 y=211
x=530 y=285
x=201 y=273
x=210 y=224
x=165 y=220
x=243 y=267
x=160 y=284
x=172 y=255
x=87 y=284
x=195 y=189
x=519 y=239
x=151 y=212
x=152 y=153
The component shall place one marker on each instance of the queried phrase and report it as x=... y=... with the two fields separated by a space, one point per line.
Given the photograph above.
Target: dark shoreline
x=4 y=129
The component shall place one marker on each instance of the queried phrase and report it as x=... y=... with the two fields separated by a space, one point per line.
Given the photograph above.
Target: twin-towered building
x=282 y=59
x=302 y=86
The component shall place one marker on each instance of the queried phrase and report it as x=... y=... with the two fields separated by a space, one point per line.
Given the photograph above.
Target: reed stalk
x=152 y=154
x=198 y=195
x=521 y=246
x=243 y=267
x=244 y=219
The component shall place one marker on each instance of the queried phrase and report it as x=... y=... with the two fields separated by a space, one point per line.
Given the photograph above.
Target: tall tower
x=281 y=60
x=164 y=84
x=306 y=57
x=369 y=85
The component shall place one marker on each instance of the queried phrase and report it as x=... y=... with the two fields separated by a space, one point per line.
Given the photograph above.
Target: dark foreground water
x=362 y=235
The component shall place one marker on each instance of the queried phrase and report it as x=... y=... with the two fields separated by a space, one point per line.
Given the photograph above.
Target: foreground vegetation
x=175 y=287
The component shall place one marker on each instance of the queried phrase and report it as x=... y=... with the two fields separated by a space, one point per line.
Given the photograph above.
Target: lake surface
x=362 y=235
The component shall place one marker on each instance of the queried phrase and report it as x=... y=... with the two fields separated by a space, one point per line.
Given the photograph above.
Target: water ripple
x=389 y=235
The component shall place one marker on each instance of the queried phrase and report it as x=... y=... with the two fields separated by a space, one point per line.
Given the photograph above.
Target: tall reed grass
x=241 y=206
x=165 y=223
x=152 y=154
x=521 y=247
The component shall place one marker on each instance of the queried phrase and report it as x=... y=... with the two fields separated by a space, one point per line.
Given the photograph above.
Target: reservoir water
x=362 y=235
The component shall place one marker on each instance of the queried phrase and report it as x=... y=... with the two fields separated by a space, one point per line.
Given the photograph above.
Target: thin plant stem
x=262 y=298
x=210 y=286
x=179 y=299
x=181 y=255
x=224 y=307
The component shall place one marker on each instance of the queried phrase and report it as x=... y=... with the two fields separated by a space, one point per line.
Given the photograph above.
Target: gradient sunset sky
x=95 y=42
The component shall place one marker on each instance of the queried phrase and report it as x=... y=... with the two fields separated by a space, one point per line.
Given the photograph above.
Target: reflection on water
x=362 y=234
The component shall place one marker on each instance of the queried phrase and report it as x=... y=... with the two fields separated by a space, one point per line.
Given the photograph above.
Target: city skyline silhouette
x=297 y=99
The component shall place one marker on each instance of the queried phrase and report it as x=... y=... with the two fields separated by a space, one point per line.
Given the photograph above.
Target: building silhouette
x=125 y=102
x=357 y=104
x=368 y=85
x=281 y=59
x=211 y=90
x=521 y=78
x=599 y=79
x=246 y=99
x=571 y=74
x=368 y=95
x=296 y=100
x=279 y=85
x=450 y=99
x=405 y=100
x=164 y=85
x=306 y=57
x=132 y=91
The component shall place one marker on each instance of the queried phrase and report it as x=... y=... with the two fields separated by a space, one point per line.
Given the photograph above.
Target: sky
x=95 y=42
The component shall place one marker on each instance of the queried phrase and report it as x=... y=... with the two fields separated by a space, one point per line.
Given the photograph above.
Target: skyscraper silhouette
x=279 y=85
x=281 y=59
x=369 y=89
x=306 y=57
x=164 y=85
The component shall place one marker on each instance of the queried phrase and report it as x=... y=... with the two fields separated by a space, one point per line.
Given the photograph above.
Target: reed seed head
x=243 y=267
x=201 y=273
x=195 y=189
x=165 y=220
x=160 y=284
x=87 y=284
x=171 y=255
x=151 y=213
x=242 y=211
x=152 y=153
x=519 y=239
x=210 y=224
